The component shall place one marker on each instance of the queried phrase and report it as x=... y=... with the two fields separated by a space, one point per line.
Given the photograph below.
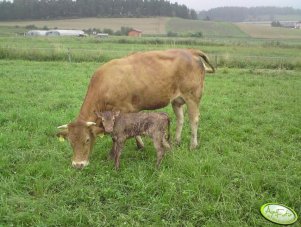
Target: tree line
x=56 y=9
x=237 y=14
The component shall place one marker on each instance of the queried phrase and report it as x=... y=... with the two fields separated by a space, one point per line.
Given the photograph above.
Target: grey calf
x=122 y=126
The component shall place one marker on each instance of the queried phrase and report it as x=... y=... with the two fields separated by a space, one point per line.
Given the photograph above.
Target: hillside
x=149 y=26
x=208 y=28
x=161 y=26
x=264 y=30
x=155 y=25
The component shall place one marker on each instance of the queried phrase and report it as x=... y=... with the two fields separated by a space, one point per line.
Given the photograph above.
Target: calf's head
x=81 y=136
x=108 y=119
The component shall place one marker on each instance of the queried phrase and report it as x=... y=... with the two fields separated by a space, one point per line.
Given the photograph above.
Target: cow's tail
x=203 y=59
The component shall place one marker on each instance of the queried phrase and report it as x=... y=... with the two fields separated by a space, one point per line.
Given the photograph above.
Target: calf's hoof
x=110 y=156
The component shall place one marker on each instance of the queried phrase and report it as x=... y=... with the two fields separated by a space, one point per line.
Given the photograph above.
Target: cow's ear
x=62 y=135
x=97 y=131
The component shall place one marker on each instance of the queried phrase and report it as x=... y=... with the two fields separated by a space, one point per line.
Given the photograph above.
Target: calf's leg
x=117 y=153
x=157 y=139
x=112 y=152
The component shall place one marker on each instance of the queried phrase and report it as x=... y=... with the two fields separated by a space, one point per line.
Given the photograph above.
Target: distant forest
x=238 y=14
x=54 y=9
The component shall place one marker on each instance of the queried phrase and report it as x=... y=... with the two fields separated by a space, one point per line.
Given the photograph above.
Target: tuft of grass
x=249 y=154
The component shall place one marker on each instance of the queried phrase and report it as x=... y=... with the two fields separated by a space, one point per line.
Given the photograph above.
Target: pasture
x=250 y=137
x=163 y=25
x=224 y=52
x=155 y=25
x=249 y=154
x=264 y=30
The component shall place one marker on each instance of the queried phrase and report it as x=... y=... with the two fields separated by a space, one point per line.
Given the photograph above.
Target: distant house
x=135 y=33
x=36 y=33
x=65 y=33
x=298 y=25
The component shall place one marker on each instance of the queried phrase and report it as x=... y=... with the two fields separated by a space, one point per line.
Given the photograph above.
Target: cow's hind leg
x=177 y=106
x=193 y=111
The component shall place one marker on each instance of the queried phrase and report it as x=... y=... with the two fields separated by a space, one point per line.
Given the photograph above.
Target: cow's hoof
x=193 y=146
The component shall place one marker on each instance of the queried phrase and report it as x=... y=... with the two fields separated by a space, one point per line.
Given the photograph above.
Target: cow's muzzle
x=80 y=165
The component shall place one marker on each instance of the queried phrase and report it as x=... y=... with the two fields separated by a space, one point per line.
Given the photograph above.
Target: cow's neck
x=87 y=111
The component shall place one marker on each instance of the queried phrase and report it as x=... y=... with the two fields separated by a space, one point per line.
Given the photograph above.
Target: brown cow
x=141 y=81
x=122 y=126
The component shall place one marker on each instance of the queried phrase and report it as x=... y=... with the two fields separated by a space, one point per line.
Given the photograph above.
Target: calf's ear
x=98 y=114
x=116 y=113
x=97 y=131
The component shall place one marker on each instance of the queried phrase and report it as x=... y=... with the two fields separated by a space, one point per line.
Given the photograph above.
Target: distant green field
x=154 y=25
x=208 y=28
x=249 y=154
x=160 y=26
x=224 y=52
x=264 y=30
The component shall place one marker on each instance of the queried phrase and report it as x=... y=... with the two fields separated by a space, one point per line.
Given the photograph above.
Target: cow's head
x=81 y=136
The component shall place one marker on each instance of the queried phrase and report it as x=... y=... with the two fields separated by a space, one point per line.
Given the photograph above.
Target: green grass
x=228 y=52
x=249 y=154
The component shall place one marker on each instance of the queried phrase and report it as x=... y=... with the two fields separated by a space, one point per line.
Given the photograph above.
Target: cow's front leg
x=139 y=142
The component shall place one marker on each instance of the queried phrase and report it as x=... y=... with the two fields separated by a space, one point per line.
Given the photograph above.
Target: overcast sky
x=208 y=4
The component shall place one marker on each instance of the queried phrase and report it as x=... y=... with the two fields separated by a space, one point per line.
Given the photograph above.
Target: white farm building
x=65 y=33
x=56 y=32
x=36 y=33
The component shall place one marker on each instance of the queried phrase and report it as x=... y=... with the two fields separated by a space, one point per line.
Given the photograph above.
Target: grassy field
x=162 y=25
x=250 y=136
x=249 y=154
x=226 y=52
x=208 y=28
x=156 y=25
x=264 y=30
